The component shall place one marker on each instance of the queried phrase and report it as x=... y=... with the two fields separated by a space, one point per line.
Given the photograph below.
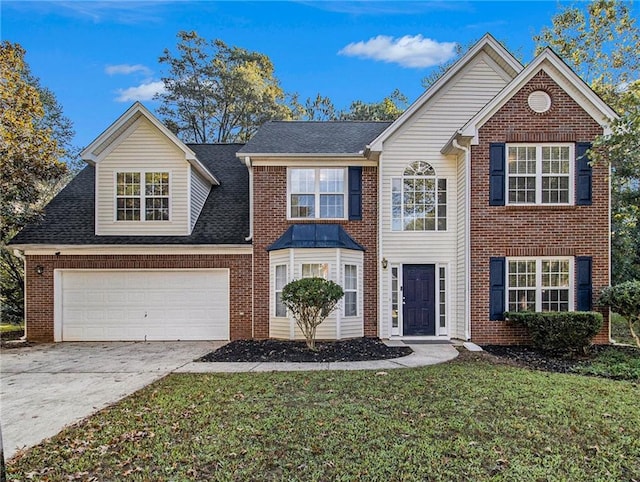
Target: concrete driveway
x=43 y=388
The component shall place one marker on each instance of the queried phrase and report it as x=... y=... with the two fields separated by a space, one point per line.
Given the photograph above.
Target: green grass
x=465 y=420
x=620 y=330
x=10 y=328
x=621 y=363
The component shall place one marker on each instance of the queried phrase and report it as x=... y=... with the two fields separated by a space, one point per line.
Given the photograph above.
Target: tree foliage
x=29 y=166
x=217 y=93
x=323 y=109
x=310 y=301
x=601 y=43
x=388 y=109
x=624 y=299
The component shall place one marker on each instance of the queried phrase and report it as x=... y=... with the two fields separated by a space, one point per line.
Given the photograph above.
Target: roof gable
x=124 y=125
x=549 y=62
x=500 y=56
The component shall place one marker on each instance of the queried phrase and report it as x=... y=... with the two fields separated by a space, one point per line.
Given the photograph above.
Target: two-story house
x=478 y=200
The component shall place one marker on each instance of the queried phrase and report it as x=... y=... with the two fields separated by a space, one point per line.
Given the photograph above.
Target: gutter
x=467 y=236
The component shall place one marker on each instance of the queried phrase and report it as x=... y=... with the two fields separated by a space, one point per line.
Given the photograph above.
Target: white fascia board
x=486 y=42
x=137 y=110
x=242 y=155
x=132 y=249
x=563 y=75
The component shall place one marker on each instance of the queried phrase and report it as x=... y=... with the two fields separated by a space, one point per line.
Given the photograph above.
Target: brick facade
x=270 y=222
x=503 y=231
x=39 y=297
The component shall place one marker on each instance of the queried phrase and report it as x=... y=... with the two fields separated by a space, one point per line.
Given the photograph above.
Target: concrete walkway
x=44 y=388
x=428 y=354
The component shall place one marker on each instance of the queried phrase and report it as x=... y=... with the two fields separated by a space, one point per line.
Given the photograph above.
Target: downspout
x=247 y=162
x=467 y=237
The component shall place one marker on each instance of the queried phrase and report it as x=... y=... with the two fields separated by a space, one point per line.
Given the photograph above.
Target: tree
x=29 y=165
x=601 y=43
x=217 y=93
x=624 y=299
x=388 y=109
x=317 y=109
x=310 y=301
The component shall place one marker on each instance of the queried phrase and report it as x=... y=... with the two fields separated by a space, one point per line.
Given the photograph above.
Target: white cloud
x=144 y=91
x=408 y=51
x=126 y=69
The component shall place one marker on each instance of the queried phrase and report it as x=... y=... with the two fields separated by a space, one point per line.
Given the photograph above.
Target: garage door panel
x=144 y=305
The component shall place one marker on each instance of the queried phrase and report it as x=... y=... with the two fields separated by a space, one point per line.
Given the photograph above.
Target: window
x=539 y=174
x=281 y=281
x=137 y=189
x=539 y=285
x=419 y=200
x=317 y=193
x=395 y=295
x=316 y=270
x=442 y=297
x=350 y=287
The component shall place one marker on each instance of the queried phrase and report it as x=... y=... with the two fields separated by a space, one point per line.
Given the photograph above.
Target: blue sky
x=98 y=57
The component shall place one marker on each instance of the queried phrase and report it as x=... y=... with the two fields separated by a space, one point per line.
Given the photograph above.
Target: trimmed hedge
x=569 y=331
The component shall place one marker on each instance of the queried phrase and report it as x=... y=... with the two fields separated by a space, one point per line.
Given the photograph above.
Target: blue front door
x=418 y=291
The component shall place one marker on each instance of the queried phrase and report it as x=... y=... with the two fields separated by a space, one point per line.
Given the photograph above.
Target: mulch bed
x=525 y=356
x=357 y=349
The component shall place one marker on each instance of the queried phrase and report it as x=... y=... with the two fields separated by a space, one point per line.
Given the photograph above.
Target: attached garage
x=151 y=305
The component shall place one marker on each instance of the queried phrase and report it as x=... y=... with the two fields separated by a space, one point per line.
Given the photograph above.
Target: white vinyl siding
x=144 y=149
x=332 y=261
x=421 y=138
x=200 y=188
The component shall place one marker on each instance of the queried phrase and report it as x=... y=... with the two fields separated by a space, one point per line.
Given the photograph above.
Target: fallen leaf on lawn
x=381 y=374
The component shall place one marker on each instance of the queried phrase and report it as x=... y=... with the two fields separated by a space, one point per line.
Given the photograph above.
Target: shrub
x=570 y=331
x=310 y=301
x=624 y=299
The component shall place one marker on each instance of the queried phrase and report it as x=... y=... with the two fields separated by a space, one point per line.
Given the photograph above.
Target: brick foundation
x=39 y=309
x=534 y=230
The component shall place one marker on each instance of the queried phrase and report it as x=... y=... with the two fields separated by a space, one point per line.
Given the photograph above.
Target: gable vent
x=539 y=101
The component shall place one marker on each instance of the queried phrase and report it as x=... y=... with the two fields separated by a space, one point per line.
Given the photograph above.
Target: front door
x=419 y=307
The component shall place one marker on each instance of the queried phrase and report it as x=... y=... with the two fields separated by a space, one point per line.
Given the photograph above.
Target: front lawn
x=465 y=420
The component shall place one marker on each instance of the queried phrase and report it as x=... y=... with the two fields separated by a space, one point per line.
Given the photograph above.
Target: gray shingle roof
x=296 y=137
x=69 y=217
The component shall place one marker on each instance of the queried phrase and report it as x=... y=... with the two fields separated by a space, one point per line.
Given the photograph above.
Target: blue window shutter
x=355 y=193
x=583 y=174
x=583 y=280
x=496 y=174
x=497 y=280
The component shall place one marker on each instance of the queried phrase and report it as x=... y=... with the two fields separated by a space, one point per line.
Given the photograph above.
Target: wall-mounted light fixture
x=385 y=263
x=39 y=269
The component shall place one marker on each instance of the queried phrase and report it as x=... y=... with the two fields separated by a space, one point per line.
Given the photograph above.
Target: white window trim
x=142 y=196
x=316 y=193
x=436 y=178
x=356 y=290
x=538 y=286
x=538 y=175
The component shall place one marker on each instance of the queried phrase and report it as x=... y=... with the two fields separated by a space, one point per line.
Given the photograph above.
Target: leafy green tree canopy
x=217 y=93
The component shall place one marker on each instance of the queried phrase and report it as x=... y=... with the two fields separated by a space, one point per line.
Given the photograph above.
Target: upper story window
x=419 y=200
x=539 y=284
x=317 y=193
x=142 y=196
x=540 y=174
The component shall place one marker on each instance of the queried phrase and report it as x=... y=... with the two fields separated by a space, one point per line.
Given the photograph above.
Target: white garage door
x=142 y=305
